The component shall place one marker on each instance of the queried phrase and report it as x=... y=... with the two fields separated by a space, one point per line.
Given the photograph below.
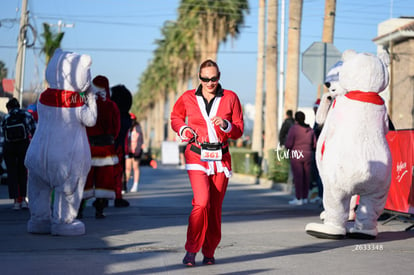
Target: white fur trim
x=229 y=127
x=181 y=132
x=210 y=170
x=212 y=135
x=105 y=161
x=103 y=193
x=199 y=168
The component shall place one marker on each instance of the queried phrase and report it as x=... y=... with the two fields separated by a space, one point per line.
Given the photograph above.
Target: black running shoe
x=189 y=259
x=209 y=261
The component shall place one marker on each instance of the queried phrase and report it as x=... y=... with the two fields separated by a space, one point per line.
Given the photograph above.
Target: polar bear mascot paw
x=352 y=154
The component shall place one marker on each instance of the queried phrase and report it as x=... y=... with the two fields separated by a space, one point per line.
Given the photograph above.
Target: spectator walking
x=135 y=140
x=287 y=123
x=17 y=129
x=301 y=143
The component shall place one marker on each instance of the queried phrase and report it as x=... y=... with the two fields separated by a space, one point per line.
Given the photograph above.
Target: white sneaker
x=134 y=188
x=17 y=206
x=24 y=204
x=305 y=201
x=315 y=200
x=296 y=202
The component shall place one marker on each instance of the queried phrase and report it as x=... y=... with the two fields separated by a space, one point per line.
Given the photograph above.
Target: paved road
x=262 y=234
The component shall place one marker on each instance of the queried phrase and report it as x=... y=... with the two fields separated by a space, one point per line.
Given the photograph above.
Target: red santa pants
x=204 y=223
x=119 y=174
x=100 y=182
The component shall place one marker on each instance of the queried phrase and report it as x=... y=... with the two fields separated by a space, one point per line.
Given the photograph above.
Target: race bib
x=211 y=152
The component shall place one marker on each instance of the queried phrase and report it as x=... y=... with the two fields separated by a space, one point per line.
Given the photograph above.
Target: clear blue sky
x=119 y=35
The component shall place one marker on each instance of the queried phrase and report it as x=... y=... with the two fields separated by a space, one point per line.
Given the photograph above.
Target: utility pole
x=281 y=66
x=21 y=54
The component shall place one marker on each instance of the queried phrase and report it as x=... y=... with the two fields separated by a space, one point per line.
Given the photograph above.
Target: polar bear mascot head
x=69 y=71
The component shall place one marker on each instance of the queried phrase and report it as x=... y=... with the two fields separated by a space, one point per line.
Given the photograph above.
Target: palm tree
x=3 y=70
x=213 y=22
x=293 y=55
x=201 y=26
x=271 y=138
x=3 y=74
x=329 y=21
x=257 y=136
x=180 y=53
x=51 y=41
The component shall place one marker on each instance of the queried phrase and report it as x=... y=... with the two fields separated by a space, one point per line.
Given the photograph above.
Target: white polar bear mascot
x=353 y=156
x=59 y=158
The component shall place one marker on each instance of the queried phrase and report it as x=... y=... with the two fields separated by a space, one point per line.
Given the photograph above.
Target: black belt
x=197 y=150
x=101 y=140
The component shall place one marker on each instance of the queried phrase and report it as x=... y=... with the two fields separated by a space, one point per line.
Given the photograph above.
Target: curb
x=265 y=183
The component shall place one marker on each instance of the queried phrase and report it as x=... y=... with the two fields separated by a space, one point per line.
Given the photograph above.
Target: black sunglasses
x=213 y=79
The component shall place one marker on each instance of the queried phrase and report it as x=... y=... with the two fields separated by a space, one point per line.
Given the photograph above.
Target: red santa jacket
x=191 y=105
x=103 y=134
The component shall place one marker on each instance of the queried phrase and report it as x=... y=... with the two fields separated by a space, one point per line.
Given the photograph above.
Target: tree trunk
x=257 y=136
x=161 y=120
x=171 y=101
x=329 y=21
x=271 y=138
x=293 y=55
x=327 y=33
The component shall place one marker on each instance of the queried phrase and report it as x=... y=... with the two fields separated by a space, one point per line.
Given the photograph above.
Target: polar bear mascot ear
x=364 y=72
x=69 y=71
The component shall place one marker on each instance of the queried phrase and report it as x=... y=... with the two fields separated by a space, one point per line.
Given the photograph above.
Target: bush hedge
x=245 y=161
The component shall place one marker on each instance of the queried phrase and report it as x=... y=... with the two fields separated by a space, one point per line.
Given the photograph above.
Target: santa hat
x=317 y=103
x=102 y=82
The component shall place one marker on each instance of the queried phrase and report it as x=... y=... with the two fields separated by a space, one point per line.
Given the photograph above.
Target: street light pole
x=21 y=52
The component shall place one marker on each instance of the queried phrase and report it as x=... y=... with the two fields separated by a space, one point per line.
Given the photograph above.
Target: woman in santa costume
x=101 y=178
x=213 y=116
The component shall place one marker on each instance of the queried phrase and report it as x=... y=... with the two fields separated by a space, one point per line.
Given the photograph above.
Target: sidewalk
x=262 y=234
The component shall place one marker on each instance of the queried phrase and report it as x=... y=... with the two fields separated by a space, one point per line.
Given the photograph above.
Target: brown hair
x=209 y=63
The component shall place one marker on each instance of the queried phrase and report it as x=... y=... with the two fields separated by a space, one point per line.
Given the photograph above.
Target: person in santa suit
x=100 y=182
x=213 y=116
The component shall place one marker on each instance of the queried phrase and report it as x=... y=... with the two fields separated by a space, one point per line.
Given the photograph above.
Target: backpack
x=14 y=127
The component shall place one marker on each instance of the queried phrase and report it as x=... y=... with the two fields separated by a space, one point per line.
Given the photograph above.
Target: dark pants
x=14 y=154
x=302 y=174
x=316 y=178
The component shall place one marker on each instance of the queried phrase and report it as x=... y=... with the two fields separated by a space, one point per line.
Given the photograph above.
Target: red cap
x=101 y=81
x=317 y=102
x=133 y=116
